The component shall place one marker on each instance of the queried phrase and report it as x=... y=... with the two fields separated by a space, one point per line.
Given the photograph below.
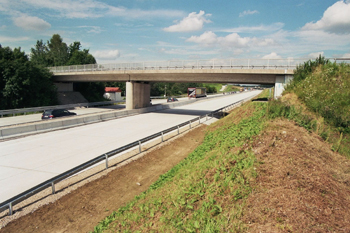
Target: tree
x=22 y=83
x=58 y=54
x=81 y=58
x=39 y=54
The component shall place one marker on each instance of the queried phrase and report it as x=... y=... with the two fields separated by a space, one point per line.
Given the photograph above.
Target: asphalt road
x=28 y=161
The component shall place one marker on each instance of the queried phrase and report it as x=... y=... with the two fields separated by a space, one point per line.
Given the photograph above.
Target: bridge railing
x=188 y=64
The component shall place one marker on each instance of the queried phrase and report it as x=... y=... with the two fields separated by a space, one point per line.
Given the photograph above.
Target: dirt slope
x=302 y=185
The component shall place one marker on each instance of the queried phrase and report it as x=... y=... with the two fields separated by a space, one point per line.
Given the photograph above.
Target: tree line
x=25 y=80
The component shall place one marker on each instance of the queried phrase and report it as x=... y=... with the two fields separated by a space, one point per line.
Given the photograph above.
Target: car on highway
x=53 y=113
x=171 y=99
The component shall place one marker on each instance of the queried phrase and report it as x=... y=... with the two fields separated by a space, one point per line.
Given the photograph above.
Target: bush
x=325 y=88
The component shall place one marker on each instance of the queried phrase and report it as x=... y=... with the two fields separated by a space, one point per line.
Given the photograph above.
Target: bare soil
x=302 y=185
x=81 y=209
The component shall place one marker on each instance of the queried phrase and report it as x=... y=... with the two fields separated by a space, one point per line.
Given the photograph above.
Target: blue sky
x=160 y=30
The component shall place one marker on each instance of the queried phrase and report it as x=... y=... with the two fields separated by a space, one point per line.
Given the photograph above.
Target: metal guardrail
x=41 y=109
x=8 y=204
x=190 y=64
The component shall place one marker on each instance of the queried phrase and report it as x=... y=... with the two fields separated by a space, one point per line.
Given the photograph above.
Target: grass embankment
x=293 y=181
x=318 y=99
x=207 y=190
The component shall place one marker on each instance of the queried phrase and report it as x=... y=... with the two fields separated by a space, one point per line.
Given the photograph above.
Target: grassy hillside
x=319 y=100
x=267 y=166
x=204 y=189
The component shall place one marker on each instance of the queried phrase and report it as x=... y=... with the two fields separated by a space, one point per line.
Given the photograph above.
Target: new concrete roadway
x=28 y=161
x=23 y=119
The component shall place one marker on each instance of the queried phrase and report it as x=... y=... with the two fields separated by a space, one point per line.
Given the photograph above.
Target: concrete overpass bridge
x=138 y=75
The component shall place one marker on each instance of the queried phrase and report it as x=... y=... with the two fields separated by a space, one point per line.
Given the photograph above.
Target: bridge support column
x=280 y=82
x=137 y=95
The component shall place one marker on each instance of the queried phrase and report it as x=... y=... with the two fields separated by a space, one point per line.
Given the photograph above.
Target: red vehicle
x=197 y=92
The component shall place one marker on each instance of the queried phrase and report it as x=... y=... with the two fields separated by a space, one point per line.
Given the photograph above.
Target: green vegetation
x=206 y=191
x=56 y=53
x=27 y=82
x=22 y=82
x=231 y=88
x=321 y=102
x=325 y=88
x=178 y=89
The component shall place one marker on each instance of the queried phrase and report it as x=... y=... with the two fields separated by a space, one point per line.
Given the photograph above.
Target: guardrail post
x=190 y=125
x=206 y=117
x=162 y=137
x=10 y=209
x=106 y=161
x=53 y=187
x=178 y=130
x=199 y=120
x=140 y=146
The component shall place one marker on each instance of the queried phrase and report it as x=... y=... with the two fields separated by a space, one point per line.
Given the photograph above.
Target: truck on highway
x=197 y=92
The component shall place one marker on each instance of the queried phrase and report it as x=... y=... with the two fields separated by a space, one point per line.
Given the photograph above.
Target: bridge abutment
x=137 y=95
x=280 y=83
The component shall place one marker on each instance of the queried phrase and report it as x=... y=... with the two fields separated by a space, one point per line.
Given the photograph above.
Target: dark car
x=49 y=114
x=171 y=99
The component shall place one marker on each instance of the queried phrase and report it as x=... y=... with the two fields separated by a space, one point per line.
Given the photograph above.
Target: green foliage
x=306 y=69
x=22 y=82
x=212 y=87
x=338 y=137
x=231 y=88
x=171 y=89
x=178 y=89
x=205 y=191
x=39 y=54
x=57 y=53
x=277 y=109
x=325 y=88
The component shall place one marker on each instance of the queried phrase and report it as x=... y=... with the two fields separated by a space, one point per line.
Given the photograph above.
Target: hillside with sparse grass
x=277 y=166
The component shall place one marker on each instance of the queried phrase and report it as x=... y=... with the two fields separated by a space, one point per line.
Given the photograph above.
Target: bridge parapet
x=283 y=64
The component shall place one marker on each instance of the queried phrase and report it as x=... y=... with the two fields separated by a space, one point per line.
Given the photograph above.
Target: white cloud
x=315 y=55
x=207 y=38
x=248 y=12
x=31 y=23
x=92 y=29
x=347 y=55
x=336 y=19
x=272 y=55
x=232 y=40
x=187 y=51
x=106 y=54
x=261 y=28
x=96 y=9
x=193 y=22
x=13 y=39
x=145 y=14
